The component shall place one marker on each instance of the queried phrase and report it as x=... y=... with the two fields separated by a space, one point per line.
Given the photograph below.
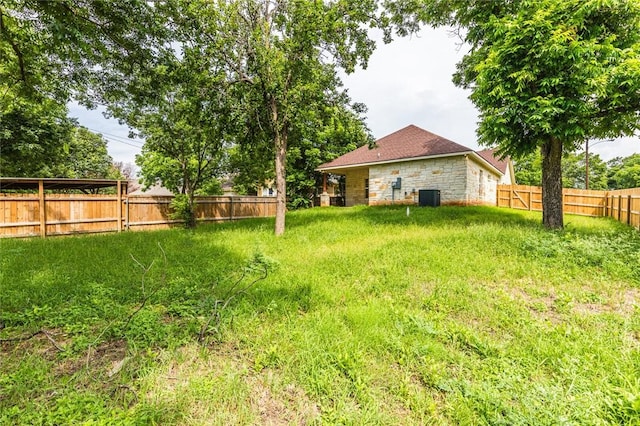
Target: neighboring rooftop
x=156 y=190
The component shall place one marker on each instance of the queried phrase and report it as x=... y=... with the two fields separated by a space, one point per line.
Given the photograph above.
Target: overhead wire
x=123 y=142
x=116 y=138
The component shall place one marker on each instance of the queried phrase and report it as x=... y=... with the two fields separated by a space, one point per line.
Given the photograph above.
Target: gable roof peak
x=407 y=143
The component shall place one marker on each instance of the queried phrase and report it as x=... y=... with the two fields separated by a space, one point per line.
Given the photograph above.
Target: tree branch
x=97 y=24
x=15 y=47
x=32 y=335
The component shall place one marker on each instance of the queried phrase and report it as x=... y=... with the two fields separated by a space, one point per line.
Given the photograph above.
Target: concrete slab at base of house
x=413 y=159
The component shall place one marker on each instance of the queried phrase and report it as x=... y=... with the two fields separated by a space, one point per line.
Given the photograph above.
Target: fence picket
x=62 y=214
x=579 y=201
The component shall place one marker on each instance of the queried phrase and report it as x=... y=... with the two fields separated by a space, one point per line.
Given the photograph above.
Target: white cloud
x=409 y=82
x=621 y=147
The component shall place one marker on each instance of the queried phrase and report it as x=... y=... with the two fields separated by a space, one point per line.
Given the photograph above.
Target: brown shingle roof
x=407 y=143
x=492 y=158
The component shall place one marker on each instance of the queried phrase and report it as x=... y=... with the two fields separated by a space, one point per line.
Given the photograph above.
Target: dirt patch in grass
x=46 y=343
x=551 y=306
x=49 y=344
x=630 y=300
x=541 y=307
x=591 y=308
x=265 y=397
x=623 y=305
x=105 y=359
x=290 y=406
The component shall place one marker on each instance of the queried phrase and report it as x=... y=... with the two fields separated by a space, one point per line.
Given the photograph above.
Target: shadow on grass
x=108 y=269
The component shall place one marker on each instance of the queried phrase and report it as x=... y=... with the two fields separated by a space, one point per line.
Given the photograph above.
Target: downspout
x=466 y=181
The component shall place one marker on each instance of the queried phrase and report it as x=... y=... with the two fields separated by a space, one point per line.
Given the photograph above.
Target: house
x=267 y=189
x=413 y=159
x=157 y=190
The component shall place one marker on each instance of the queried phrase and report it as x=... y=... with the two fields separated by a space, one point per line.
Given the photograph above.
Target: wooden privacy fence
x=25 y=215
x=622 y=205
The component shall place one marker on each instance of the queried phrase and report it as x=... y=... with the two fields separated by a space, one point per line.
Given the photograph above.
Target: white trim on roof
x=475 y=155
x=397 y=160
x=486 y=162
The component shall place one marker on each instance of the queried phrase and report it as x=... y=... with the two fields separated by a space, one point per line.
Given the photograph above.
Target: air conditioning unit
x=429 y=197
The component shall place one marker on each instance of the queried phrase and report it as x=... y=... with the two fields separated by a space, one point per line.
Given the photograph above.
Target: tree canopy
x=548 y=75
x=624 y=172
x=53 y=51
x=184 y=117
x=32 y=136
x=60 y=49
x=267 y=78
x=528 y=170
x=42 y=141
x=282 y=55
x=86 y=157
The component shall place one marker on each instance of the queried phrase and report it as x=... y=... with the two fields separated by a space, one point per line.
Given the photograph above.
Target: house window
x=366 y=188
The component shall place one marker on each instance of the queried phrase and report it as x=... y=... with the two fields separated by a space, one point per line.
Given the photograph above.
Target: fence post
x=619 y=208
x=511 y=191
x=610 y=205
x=43 y=212
x=126 y=214
x=119 y=206
x=231 y=208
x=629 y=210
x=530 y=198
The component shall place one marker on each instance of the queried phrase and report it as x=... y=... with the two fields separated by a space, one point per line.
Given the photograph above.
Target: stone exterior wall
x=461 y=180
x=506 y=179
x=448 y=174
x=482 y=184
x=354 y=187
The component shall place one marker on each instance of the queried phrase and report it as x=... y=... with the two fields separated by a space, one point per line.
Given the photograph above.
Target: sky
x=406 y=82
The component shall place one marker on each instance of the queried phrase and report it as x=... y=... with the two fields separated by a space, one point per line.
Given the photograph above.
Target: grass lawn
x=367 y=316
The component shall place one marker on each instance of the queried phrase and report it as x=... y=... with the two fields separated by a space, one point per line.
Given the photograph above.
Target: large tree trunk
x=281 y=183
x=552 y=215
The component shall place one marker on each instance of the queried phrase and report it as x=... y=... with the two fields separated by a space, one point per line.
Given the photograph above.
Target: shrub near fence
x=623 y=205
x=80 y=213
x=154 y=212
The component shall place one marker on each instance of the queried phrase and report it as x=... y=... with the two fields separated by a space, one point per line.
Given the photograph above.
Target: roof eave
x=487 y=163
x=398 y=160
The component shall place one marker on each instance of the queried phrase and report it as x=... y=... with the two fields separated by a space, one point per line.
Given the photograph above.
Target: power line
x=117 y=138
x=123 y=139
x=122 y=142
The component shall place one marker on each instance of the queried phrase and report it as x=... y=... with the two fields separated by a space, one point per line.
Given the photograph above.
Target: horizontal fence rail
x=622 y=205
x=29 y=214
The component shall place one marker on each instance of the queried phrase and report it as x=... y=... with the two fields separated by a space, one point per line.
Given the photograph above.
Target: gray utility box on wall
x=429 y=197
